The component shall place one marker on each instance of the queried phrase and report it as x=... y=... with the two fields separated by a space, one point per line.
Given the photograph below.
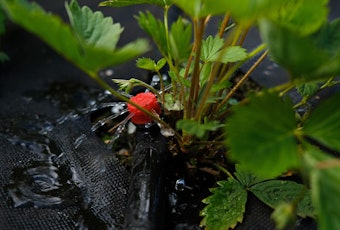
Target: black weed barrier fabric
x=101 y=184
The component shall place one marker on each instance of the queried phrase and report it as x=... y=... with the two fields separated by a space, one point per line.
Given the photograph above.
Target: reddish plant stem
x=194 y=89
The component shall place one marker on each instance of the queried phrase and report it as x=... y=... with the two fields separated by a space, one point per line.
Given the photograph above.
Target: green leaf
x=212 y=51
x=180 y=40
x=325 y=187
x=202 y=8
x=307 y=58
x=149 y=64
x=196 y=128
x=323 y=124
x=155 y=29
x=276 y=192
x=84 y=53
x=124 y=85
x=308 y=89
x=328 y=37
x=211 y=47
x=248 y=11
x=263 y=131
x=304 y=16
x=121 y=3
x=226 y=206
x=230 y=54
x=92 y=27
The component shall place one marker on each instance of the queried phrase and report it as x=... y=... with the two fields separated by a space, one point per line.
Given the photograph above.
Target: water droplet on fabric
x=79 y=140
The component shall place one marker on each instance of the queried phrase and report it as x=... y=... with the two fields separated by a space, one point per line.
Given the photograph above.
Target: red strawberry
x=149 y=102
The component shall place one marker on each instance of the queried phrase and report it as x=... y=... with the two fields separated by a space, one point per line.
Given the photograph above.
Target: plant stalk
x=194 y=89
x=243 y=79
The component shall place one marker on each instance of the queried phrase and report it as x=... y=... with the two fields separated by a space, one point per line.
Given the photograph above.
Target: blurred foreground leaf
x=307 y=58
x=324 y=173
x=323 y=124
x=260 y=135
x=90 y=50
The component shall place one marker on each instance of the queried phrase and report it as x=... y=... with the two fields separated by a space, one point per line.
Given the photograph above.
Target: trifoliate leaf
x=325 y=186
x=196 y=128
x=276 y=192
x=260 y=135
x=226 y=206
x=323 y=124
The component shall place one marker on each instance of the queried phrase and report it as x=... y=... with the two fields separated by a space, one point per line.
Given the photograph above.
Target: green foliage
x=323 y=124
x=212 y=51
x=202 y=8
x=303 y=16
x=196 y=128
x=324 y=173
x=155 y=29
x=248 y=11
x=275 y=192
x=251 y=134
x=92 y=27
x=225 y=207
x=308 y=89
x=180 y=40
x=85 y=49
x=149 y=64
x=306 y=57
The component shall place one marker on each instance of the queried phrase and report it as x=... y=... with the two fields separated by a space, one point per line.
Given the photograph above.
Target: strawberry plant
x=263 y=134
